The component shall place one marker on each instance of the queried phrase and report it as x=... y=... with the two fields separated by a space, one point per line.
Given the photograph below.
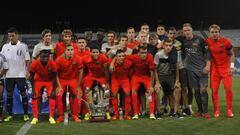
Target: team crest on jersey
x=221 y=46
x=195 y=45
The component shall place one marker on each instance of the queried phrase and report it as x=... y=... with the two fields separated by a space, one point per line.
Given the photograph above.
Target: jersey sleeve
x=156 y=59
x=33 y=66
x=27 y=55
x=54 y=66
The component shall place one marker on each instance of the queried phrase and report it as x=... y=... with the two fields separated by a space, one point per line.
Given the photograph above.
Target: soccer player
x=43 y=73
x=97 y=70
x=120 y=78
x=82 y=52
x=3 y=70
x=69 y=69
x=67 y=39
x=46 y=43
x=18 y=60
x=171 y=32
x=197 y=63
x=143 y=72
x=222 y=67
x=167 y=75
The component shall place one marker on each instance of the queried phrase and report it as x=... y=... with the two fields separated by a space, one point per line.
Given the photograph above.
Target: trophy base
x=99 y=119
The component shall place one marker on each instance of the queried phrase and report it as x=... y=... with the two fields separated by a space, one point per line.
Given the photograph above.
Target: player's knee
x=127 y=94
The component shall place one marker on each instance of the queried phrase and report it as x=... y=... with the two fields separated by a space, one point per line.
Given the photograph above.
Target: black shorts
x=197 y=79
x=183 y=77
x=21 y=84
x=167 y=83
x=2 y=82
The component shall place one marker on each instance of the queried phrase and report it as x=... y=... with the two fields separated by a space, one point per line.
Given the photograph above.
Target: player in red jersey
x=97 y=70
x=143 y=72
x=67 y=39
x=70 y=75
x=83 y=52
x=222 y=67
x=43 y=74
x=120 y=78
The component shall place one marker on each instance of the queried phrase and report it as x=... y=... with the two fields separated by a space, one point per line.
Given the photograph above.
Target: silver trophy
x=99 y=103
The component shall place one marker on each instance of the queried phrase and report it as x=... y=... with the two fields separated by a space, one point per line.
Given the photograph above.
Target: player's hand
x=151 y=90
x=157 y=86
x=79 y=94
x=206 y=69
x=111 y=68
x=58 y=89
x=177 y=84
x=27 y=75
x=231 y=70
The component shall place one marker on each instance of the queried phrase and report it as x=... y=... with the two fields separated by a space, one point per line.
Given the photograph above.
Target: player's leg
x=10 y=83
x=1 y=99
x=21 y=85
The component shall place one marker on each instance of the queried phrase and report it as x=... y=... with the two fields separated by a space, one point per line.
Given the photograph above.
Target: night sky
x=118 y=15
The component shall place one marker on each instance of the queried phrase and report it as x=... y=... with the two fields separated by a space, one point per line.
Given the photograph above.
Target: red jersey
x=122 y=71
x=219 y=51
x=142 y=67
x=68 y=69
x=84 y=54
x=43 y=73
x=95 y=67
x=133 y=44
x=60 y=48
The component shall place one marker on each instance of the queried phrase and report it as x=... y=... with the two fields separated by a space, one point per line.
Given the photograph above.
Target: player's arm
x=31 y=79
x=111 y=66
x=177 y=83
x=206 y=55
x=232 y=59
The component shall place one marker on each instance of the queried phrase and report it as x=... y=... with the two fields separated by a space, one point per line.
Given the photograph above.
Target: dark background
x=32 y=17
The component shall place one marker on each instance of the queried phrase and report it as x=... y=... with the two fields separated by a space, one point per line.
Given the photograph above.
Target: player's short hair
x=214 y=26
x=112 y=32
x=67 y=32
x=171 y=29
x=161 y=25
x=93 y=47
x=153 y=36
x=130 y=28
x=12 y=30
x=119 y=51
x=142 y=48
x=187 y=25
x=122 y=36
x=100 y=30
x=45 y=31
x=81 y=38
x=168 y=40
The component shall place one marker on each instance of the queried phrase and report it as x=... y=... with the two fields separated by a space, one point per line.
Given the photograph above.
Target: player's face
x=145 y=28
x=44 y=58
x=142 y=38
x=168 y=47
x=120 y=57
x=47 y=38
x=13 y=37
x=88 y=35
x=123 y=42
x=171 y=34
x=110 y=37
x=161 y=30
x=187 y=32
x=69 y=52
x=131 y=34
x=214 y=33
x=153 y=41
x=67 y=38
x=81 y=44
x=95 y=54
x=100 y=35
x=143 y=54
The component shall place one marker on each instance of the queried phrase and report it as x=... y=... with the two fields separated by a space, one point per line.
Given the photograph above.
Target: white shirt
x=16 y=56
x=40 y=46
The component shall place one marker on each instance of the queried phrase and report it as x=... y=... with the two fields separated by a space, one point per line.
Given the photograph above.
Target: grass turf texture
x=169 y=126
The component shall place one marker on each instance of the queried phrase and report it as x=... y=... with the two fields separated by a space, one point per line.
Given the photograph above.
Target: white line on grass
x=23 y=130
